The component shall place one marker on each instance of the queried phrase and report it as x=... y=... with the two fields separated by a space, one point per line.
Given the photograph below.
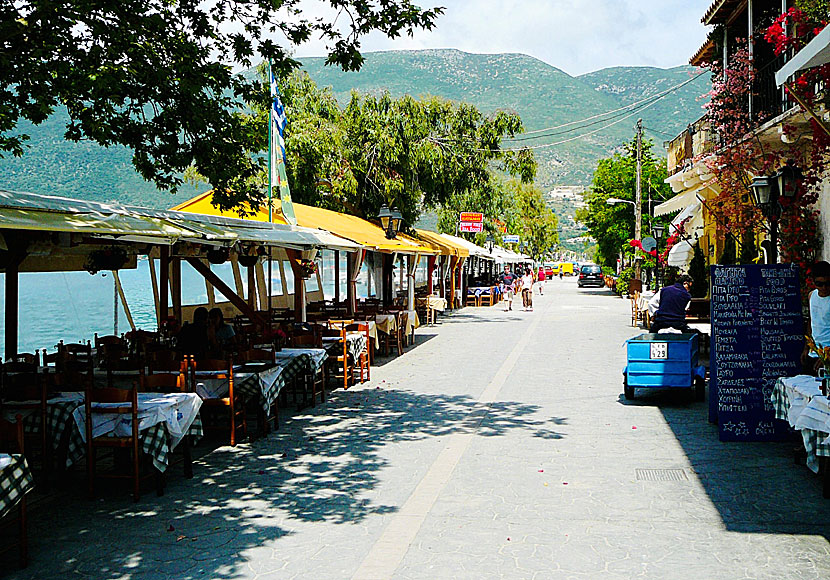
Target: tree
x=612 y=226
x=155 y=75
x=411 y=153
x=538 y=225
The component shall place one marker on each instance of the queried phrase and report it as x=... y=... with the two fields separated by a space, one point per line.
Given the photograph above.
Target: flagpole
x=270 y=188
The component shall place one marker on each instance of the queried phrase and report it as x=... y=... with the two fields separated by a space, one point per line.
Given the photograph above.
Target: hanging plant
x=111 y=258
x=218 y=255
x=307 y=268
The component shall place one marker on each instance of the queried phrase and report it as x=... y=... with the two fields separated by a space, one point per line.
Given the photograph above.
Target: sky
x=577 y=36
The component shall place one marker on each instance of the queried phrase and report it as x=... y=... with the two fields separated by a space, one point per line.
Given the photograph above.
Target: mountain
x=543 y=95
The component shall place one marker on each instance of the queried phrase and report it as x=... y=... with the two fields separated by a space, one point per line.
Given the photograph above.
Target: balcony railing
x=695 y=142
x=768 y=99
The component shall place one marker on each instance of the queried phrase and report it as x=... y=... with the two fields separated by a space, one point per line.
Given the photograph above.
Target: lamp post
x=766 y=193
x=657 y=231
x=490 y=241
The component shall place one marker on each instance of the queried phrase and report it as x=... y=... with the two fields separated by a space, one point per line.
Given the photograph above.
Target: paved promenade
x=499 y=447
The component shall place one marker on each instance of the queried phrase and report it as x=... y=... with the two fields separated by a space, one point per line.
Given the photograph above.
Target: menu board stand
x=757 y=337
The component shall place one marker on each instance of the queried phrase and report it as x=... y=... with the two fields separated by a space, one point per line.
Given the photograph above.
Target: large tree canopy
x=155 y=75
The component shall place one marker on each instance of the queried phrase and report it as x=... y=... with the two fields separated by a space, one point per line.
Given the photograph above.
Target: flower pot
x=248 y=261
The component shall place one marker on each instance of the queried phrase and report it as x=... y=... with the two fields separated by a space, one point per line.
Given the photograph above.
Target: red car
x=548 y=271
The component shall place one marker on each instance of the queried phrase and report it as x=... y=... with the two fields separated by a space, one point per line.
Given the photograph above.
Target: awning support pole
x=12 y=305
x=337 y=276
x=176 y=288
x=164 y=283
x=294 y=258
x=225 y=290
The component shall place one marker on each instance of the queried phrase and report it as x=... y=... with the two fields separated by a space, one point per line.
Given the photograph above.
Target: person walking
x=541 y=277
x=507 y=280
x=527 y=289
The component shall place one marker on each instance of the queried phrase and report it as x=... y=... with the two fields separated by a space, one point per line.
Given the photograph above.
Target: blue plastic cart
x=663 y=361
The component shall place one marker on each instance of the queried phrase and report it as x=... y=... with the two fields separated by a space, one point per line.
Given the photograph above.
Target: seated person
x=193 y=337
x=670 y=304
x=819 y=316
x=221 y=335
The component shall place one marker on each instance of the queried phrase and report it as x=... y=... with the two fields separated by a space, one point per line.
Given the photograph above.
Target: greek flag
x=278 y=117
x=278 y=178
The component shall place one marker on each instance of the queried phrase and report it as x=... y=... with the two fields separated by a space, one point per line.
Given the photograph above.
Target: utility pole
x=638 y=201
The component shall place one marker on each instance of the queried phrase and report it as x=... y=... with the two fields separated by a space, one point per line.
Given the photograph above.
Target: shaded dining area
x=262 y=335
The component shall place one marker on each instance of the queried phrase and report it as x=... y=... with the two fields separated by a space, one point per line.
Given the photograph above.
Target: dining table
x=15 y=481
x=252 y=380
x=799 y=401
x=355 y=344
x=164 y=420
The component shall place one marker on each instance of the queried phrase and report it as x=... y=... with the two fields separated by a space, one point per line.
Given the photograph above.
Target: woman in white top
x=527 y=290
x=819 y=316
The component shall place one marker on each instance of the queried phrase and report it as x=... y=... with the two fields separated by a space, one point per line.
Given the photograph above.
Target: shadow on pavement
x=756 y=487
x=321 y=466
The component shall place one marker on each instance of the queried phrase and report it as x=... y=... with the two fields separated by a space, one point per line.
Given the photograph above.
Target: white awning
x=816 y=53
x=681 y=254
x=473 y=248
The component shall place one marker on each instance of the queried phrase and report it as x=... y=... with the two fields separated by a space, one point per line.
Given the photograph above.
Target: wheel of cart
x=663 y=361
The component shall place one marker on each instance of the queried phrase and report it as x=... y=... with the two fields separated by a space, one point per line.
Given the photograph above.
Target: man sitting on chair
x=671 y=304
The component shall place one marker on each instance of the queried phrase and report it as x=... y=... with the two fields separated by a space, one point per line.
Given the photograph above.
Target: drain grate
x=661 y=475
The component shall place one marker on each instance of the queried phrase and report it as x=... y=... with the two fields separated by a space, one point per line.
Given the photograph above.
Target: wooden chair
x=394 y=338
x=24 y=385
x=32 y=358
x=488 y=299
x=472 y=299
x=339 y=362
x=636 y=314
x=164 y=383
x=130 y=442
x=164 y=361
x=255 y=355
x=362 y=359
x=12 y=441
x=230 y=404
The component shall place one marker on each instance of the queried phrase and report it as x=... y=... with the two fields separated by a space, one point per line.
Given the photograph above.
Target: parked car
x=548 y=270
x=590 y=275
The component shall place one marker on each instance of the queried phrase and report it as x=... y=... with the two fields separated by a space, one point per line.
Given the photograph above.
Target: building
x=776 y=132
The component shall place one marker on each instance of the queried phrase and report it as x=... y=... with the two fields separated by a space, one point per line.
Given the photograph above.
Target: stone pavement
x=499 y=447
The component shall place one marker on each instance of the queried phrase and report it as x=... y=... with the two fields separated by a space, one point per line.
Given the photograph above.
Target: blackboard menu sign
x=757 y=337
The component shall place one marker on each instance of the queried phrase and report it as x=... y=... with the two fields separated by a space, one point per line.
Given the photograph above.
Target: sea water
x=73 y=306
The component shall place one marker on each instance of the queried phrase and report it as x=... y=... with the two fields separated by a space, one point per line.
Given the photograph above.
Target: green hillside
x=543 y=95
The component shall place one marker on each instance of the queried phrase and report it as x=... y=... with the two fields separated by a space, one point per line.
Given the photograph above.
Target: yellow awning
x=346 y=226
x=445 y=246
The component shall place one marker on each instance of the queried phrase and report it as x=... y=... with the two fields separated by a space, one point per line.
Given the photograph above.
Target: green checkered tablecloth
x=261 y=381
x=355 y=344
x=305 y=360
x=161 y=425
x=790 y=398
x=15 y=481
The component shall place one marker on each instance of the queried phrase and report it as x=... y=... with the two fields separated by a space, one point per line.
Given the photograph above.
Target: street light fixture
x=657 y=230
x=390 y=221
x=766 y=193
x=490 y=241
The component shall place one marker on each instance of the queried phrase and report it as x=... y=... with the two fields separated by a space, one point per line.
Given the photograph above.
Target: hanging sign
x=471 y=227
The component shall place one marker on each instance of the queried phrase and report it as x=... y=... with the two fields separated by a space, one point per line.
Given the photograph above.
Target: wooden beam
x=12 y=303
x=164 y=283
x=225 y=290
x=251 y=288
x=176 y=288
x=294 y=257
x=155 y=284
x=123 y=297
x=807 y=108
x=337 y=276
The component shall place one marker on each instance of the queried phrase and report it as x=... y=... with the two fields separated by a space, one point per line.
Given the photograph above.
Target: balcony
x=695 y=142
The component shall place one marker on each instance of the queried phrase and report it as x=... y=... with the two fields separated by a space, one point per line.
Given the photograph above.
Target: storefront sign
x=510 y=239
x=757 y=337
x=471 y=227
x=473 y=217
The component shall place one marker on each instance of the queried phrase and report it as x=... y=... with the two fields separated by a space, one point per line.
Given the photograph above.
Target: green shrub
x=623 y=281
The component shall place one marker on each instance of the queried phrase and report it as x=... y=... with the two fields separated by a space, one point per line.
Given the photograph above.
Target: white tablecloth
x=176 y=410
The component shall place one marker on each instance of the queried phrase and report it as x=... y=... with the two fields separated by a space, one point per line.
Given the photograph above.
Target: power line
x=607 y=113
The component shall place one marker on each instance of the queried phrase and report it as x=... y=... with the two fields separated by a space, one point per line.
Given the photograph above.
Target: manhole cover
x=661 y=475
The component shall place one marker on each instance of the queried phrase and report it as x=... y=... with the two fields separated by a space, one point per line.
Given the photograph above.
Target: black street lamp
x=390 y=221
x=657 y=231
x=490 y=241
x=767 y=192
